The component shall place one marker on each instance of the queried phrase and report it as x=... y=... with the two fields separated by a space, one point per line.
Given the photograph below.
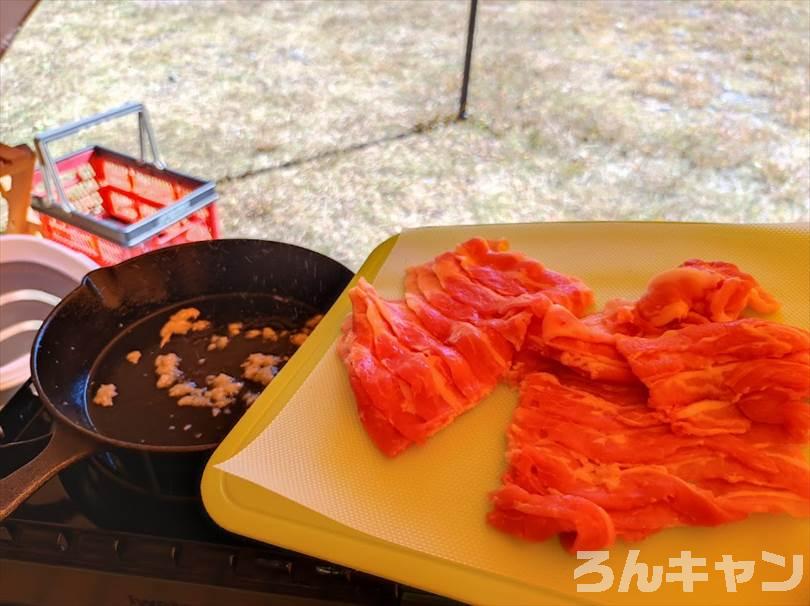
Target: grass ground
x=578 y=110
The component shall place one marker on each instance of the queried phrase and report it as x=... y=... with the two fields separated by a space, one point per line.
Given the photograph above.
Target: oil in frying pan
x=142 y=413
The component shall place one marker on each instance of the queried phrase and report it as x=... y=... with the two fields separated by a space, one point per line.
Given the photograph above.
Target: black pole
x=465 y=82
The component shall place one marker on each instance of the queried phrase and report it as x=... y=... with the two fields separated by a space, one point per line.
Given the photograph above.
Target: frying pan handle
x=65 y=448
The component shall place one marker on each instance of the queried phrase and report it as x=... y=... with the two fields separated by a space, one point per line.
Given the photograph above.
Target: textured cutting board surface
x=299 y=471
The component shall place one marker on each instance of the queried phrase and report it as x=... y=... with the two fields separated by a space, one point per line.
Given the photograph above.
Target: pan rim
x=95 y=435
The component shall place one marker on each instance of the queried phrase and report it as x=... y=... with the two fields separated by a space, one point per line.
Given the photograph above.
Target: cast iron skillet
x=84 y=341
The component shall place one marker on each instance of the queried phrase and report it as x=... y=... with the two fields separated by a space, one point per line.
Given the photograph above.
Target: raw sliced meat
x=382 y=431
x=483 y=281
x=408 y=383
x=418 y=363
x=667 y=411
x=537 y=517
x=574 y=440
x=487 y=353
x=697 y=292
x=421 y=281
x=474 y=303
x=510 y=273
x=410 y=331
x=420 y=399
x=496 y=339
x=378 y=395
x=700 y=291
x=710 y=376
x=586 y=345
x=708 y=418
x=739 y=290
x=432 y=391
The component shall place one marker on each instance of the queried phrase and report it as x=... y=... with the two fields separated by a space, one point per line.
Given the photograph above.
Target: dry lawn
x=578 y=110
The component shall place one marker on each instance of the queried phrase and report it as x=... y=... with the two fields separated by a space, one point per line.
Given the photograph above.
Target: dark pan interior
x=121 y=308
x=145 y=414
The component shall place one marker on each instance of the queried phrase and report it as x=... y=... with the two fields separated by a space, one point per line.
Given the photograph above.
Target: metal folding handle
x=50 y=175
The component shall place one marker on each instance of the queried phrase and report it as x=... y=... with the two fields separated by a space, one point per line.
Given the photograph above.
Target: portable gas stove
x=120 y=535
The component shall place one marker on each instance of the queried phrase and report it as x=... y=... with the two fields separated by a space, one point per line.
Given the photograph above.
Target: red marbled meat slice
x=456 y=283
x=490 y=341
x=410 y=331
x=738 y=291
x=701 y=291
x=761 y=367
x=480 y=281
x=537 y=517
x=488 y=303
x=375 y=420
x=584 y=344
x=426 y=374
x=426 y=367
x=414 y=370
x=488 y=354
x=379 y=395
x=422 y=281
x=697 y=292
x=747 y=500
x=507 y=273
x=424 y=400
x=488 y=311
x=602 y=444
x=510 y=273
x=445 y=347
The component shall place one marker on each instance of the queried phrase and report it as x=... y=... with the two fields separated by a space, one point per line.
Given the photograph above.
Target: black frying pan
x=84 y=341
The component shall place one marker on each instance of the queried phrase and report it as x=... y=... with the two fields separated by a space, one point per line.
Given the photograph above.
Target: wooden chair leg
x=16 y=177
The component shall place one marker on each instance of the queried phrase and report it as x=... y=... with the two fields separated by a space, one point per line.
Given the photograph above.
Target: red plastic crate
x=151 y=187
x=112 y=173
x=107 y=185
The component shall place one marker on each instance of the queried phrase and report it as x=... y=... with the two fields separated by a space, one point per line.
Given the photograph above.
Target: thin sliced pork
x=696 y=292
x=722 y=376
x=574 y=441
x=418 y=363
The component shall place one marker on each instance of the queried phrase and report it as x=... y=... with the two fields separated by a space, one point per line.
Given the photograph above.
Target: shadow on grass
x=417 y=129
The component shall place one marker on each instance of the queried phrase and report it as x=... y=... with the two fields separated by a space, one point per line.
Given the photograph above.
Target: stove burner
x=141 y=492
x=138 y=516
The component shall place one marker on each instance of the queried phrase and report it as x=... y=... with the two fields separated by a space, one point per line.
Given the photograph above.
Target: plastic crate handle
x=50 y=176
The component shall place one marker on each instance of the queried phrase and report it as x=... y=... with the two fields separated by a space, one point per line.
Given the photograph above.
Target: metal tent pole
x=465 y=82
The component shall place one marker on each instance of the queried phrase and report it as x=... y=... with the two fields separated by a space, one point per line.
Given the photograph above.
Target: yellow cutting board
x=402 y=519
